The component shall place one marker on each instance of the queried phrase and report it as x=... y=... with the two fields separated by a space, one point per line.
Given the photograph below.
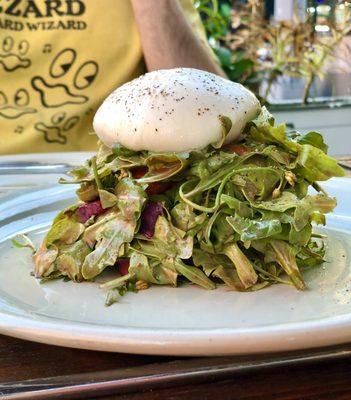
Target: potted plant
x=289 y=64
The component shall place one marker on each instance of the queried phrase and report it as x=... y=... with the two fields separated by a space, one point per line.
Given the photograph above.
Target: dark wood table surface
x=22 y=360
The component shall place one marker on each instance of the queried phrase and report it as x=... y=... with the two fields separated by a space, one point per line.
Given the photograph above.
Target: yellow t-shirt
x=58 y=61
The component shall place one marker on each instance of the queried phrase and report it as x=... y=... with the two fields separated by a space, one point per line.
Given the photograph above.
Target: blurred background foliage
x=256 y=49
x=217 y=18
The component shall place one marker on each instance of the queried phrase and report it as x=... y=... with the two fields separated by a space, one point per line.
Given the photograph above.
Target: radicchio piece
x=123 y=266
x=87 y=210
x=149 y=217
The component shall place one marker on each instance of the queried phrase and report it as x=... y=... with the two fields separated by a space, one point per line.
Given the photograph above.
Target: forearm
x=167 y=38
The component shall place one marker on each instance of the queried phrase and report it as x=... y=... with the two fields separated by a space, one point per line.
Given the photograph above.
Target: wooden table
x=21 y=360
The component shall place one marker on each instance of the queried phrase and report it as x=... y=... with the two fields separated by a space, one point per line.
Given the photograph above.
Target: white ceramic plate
x=183 y=321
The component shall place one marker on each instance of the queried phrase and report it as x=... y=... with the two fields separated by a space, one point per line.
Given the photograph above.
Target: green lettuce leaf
x=254 y=229
x=230 y=277
x=71 y=258
x=107 y=199
x=172 y=241
x=226 y=126
x=140 y=268
x=285 y=257
x=44 y=259
x=244 y=268
x=64 y=230
x=87 y=192
x=117 y=229
x=130 y=198
x=185 y=218
x=163 y=166
x=194 y=275
x=110 y=237
x=210 y=262
x=314 y=139
x=315 y=165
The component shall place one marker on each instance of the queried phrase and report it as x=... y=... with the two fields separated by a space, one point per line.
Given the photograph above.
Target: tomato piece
x=87 y=210
x=139 y=172
x=149 y=217
x=158 y=188
x=236 y=148
x=123 y=266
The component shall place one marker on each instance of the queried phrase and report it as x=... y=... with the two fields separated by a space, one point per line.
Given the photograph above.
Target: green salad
x=237 y=215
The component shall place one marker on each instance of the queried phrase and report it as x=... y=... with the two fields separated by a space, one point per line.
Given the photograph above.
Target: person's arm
x=167 y=38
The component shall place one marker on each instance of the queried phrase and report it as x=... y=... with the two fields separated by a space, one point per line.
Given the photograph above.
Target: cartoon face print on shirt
x=13 y=54
x=56 y=131
x=66 y=81
x=15 y=105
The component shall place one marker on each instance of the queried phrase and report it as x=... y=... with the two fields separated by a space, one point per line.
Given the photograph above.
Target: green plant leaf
x=65 y=231
x=244 y=268
x=285 y=257
x=194 y=275
x=163 y=166
x=315 y=165
x=71 y=258
x=314 y=139
x=110 y=237
x=254 y=229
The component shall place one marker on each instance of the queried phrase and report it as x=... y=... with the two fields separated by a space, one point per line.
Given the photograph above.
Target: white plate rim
x=189 y=342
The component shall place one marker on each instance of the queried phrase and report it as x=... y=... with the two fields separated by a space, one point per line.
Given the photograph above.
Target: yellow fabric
x=58 y=61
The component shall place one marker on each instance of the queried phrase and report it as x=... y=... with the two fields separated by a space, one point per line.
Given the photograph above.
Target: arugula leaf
x=119 y=150
x=254 y=229
x=258 y=182
x=310 y=204
x=140 y=268
x=65 y=231
x=194 y=275
x=230 y=277
x=130 y=198
x=244 y=268
x=315 y=165
x=91 y=232
x=116 y=283
x=118 y=229
x=71 y=258
x=107 y=199
x=24 y=243
x=226 y=126
x=87 y=192
x=185 y=218
x=165 y=275
x=210 y=262
x=103 y=154
x=163 y=166
x=240 y=207
x=301 y=237
x=110 y=237
x=285 y=256
x=314 y=139
x=172 y=241
x=44 y=259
